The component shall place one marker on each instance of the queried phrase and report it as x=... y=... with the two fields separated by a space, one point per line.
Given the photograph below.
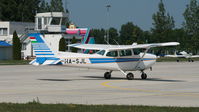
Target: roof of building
x=52 y=14
x=3 y=43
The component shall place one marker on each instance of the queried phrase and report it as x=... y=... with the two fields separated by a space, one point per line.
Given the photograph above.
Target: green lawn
x=36 y=107
x=14 y=62
x=165 y=59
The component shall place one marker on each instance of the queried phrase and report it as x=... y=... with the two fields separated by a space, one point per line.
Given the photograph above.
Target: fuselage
x=98 y=61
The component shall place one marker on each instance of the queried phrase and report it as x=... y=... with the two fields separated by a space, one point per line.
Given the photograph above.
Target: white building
x=7 y=29
x=52 y=25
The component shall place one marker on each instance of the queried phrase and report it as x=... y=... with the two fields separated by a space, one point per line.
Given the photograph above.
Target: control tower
x=53 y=22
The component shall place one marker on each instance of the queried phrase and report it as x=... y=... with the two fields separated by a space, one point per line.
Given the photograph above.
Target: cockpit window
x=138 y=51
x=125 y=52
x=112 y=54
x=101 y=52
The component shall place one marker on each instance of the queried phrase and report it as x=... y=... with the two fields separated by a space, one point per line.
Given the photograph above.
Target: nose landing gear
x=143 y=75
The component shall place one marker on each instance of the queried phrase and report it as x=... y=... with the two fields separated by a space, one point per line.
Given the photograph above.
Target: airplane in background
x=111 y=58
x=183 y=54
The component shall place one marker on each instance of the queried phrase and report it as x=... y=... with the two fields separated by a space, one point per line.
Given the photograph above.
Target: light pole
x=108 y=9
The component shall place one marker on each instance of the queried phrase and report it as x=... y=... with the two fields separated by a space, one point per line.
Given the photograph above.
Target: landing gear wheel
x=107 y=75
x=130 y=76
x=144 y=76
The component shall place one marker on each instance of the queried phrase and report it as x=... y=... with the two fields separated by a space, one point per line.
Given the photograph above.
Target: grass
x=14 y=62
x=166 y=59
x=37 y=107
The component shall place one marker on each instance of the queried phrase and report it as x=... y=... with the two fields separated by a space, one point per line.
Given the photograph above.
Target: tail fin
x=44 y=55
x=90 y=40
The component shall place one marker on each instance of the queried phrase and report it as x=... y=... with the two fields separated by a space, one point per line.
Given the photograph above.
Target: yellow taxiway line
x=163 y=93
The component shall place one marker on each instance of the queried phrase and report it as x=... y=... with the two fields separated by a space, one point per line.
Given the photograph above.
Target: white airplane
x=183 y=54
x=109 y=57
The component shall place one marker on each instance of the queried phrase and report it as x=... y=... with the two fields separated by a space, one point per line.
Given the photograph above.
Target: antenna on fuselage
x=116 y=42
x=107 y=42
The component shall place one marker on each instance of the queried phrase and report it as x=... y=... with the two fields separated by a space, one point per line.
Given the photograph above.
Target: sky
x=93 y=13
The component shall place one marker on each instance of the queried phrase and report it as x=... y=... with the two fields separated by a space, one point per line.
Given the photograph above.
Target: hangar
x=5 y=51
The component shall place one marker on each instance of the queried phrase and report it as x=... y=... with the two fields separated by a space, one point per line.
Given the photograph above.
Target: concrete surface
x=169 y=84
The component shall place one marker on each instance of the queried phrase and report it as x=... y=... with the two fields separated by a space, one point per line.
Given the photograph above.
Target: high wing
x=121 y=47
x=194 y=56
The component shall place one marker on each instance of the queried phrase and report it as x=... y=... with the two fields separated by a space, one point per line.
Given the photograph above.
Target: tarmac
x=169 y=84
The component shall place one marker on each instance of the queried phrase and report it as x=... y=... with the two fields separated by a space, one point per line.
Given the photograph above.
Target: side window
x=128 y=52
x=101 y=52
x=138 y=51
x=112 y=54
x=125 y=52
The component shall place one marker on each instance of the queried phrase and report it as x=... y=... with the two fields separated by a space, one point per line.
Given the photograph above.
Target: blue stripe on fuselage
x=44 y=51
x=115 y=60
x=44 y=54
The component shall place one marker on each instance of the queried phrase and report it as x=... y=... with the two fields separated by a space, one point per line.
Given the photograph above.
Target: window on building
x=45 y=21
x=39 y=23
x=56 y=21
x=3 y=31
x=24 y=46
x=112 y=54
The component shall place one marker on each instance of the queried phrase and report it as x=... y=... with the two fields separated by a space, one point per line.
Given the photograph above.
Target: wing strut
x=141 y=59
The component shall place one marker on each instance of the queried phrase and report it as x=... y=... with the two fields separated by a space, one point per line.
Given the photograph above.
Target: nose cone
x=151 y=59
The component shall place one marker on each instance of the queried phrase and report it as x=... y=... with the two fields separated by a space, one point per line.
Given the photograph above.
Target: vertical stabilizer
x=44 y=55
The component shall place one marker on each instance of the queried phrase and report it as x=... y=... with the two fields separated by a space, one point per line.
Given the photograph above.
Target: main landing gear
x=107 y=75
x=130 y=76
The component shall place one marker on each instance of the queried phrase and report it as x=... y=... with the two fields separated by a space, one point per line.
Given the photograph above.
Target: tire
x=107 y=75
x=144 y=76
x=130 y=76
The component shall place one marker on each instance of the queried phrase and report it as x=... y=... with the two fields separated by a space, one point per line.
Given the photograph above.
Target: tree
x=44 y=7
x=16 y=47
x=99 y=35
x=73 y=41
x=129 y=33
x=56 y=6
x=62 y=44
x=162 y=24
x=191 y=16
x=113 y=36
x=191 y=25
x=19 y=10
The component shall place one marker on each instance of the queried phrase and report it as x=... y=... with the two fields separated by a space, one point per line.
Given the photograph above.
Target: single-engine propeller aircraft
x=111 y=58
x=183 y=54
